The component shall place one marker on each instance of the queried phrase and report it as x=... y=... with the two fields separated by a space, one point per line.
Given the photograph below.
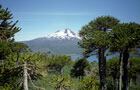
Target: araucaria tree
x=8 y=68
x=95 y=36
x=124 y=37
x=7 y=32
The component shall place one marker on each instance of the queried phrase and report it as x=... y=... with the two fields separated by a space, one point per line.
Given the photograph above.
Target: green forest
x=22 y=69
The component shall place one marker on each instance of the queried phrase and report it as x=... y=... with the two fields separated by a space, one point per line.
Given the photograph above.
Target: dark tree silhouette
x=79 y=68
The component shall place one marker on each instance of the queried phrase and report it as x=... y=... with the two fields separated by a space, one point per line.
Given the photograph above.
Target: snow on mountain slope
x=64 y=34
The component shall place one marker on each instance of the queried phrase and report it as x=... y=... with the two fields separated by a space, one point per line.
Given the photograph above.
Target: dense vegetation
x=22 y=69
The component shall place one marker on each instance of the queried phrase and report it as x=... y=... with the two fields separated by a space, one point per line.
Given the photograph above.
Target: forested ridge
x=22 y=69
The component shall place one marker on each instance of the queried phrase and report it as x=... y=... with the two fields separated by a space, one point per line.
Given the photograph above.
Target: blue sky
x=37 y=18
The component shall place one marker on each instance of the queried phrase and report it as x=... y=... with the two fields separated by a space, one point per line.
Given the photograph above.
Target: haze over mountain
x=60 y=42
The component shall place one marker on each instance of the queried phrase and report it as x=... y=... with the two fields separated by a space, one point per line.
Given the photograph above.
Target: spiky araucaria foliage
x=7 y=27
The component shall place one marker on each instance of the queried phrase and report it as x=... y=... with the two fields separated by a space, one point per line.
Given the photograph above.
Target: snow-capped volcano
x=61 y=42
x=64 y=34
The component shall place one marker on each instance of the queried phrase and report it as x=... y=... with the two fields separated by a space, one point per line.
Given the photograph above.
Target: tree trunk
x=121 y=71
x=115 y=81
x=117 y=84
x=125 y=69
x=25 y=75
x=60 y=88
x=102 y=68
